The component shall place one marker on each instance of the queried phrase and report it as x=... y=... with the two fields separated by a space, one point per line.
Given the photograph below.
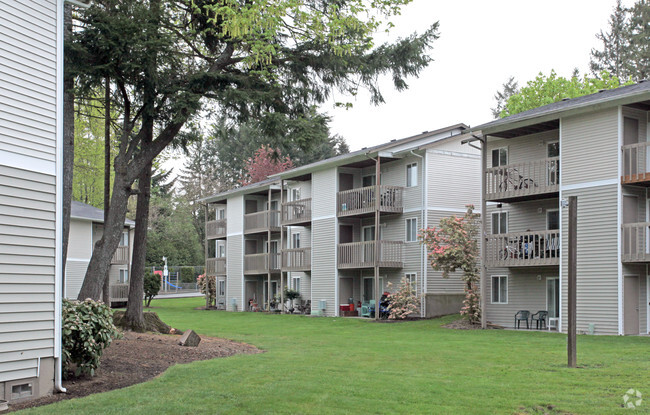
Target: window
x=499 y=222
x=221 y=251
x=221 y=213
x=274 y=205
x=412 y=279
x=296 y=283
x=411 y=175
x=222 y=288
x=500 y=289
x=552 y=219
x=124 y=241
x=295 y=194
x=124 y=276
x=295 y=240
x=499 y=157
x=411 y=230
x=368 y=233
x=370 y=180
x=23 y=390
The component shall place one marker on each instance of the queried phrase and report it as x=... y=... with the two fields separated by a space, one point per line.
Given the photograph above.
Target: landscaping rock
x=189 y=339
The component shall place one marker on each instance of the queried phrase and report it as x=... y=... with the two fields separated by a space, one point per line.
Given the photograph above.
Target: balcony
x=216 y=266
x=262 y=221
x=121 y=256
x=361 y=201
x=216 y=229
x=297 y=212
x=635 y=164
x=523 y=181
x=522 y=249
x=297 y=259
x=636 y=246
x=362 y=255
x=260 y=264
x=119 y=293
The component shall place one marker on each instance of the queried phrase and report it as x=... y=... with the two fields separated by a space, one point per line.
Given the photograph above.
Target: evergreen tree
x=510 y=88
x=639 y=33
x=615 y=46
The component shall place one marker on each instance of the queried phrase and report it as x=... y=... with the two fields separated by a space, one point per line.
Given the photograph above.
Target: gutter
x=423 y=214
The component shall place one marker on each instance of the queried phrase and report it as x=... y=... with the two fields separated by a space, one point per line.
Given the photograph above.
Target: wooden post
x=483 y=233
x=205 y=270
x=282 y=244
x=377 y=247
x=268 y=251
x=572 y=292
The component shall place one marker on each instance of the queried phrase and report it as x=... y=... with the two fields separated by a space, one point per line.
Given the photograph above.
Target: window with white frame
x=124 y=241
x=411 y=229
x=296 y=283
x=499 y=289
x=499 y=157
x=499 y=222
x=222 y=288
x=295 y=194
x=295 y=240
x=411 y=175
x=412 y=279
x=369 y=180
x=221 y=213
x=124 y=276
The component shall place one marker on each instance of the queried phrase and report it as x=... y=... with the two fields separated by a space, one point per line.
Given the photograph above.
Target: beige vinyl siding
x=324 y=199
x=28 y=78
x=324 y=267
x=453 y=179
x=526 y=291
x=394 y=174
x=590 y=147
x=235 y=218
x=27 y=271
x=81 y=244
x=235 y=272
x=304 y=186
x=598 y=259
x=436 y=284
x=524 y=148
x=75 y=272
x=644 y=303
x=523 y=216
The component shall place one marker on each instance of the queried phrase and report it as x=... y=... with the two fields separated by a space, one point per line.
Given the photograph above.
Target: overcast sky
x=481 y=44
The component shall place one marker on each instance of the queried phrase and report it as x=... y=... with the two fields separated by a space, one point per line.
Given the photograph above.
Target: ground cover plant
x=339 y=365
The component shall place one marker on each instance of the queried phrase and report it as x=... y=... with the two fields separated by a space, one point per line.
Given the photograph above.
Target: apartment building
x=333 y=228
x=594 y=147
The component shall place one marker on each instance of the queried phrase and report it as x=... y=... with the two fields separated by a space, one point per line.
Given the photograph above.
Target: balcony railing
x=362 y=200
x=532 y=248
x=216 y=229
x=262 y=221
x=119 y=292
x=261 y=263
x=362 y=254
x=636 y=245
x=216 y=266
x=121 y=256
x=296 y=212
x=296 y=259
x=635 y=164
x=522 y=180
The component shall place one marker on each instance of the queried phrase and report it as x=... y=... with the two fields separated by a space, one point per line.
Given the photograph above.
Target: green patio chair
x=520 y=316
x=539 y=318
x=367 y=308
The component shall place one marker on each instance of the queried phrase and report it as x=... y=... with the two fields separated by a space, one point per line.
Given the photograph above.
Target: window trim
x=413 y=283
x=492 y=277
x=559 y=219
x=500 y=212
x=406 y=221
x=295 y=191
x=369 y=175
x=122 y=273
x=294 y=237
x=222 y=288
x=507 y=156
x=414 y=177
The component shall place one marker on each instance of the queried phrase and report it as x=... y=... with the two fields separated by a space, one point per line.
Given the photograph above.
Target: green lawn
x=335 y=365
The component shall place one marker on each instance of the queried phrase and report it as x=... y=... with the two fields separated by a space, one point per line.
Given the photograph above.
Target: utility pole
x=572 y=283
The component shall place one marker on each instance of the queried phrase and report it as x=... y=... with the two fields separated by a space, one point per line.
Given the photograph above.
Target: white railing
x=523 y=179
x=296 y=259
x=297 y=211
x=635 y=163
x=636 y=245
x=529 y=248
x=362 y=254
x=362 y=200
x=261 y=221
x=216 y=229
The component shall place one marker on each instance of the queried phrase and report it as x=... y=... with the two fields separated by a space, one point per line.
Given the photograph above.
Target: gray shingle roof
x=80 y=210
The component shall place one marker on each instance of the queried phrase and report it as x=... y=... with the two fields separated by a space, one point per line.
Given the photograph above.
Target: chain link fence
x=180 y=279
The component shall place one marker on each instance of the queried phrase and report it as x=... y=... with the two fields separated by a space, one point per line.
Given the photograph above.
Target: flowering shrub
x=454 y=246
x=403 y=302
x=211 y=291
x=87 y=329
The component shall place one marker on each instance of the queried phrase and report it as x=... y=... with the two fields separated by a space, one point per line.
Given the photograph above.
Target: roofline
x=86 y=219
x=554 y=114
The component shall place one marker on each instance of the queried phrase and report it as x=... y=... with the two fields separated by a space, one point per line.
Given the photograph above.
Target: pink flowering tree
x=403 y=302
x=454 y=246
x=265 y=162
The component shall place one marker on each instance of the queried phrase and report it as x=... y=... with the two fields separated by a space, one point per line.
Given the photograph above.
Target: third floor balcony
x=216 y=266
x=363 y=254
x=520 y=249
x=216 y=229
x=264 y=221
x=362 y=201
x=523 y=181
x=636 y=162
x=297 y=212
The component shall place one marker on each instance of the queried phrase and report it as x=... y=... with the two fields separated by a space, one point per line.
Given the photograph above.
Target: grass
x=336 y=365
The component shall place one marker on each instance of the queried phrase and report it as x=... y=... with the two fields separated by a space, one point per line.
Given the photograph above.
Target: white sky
x=481 y=44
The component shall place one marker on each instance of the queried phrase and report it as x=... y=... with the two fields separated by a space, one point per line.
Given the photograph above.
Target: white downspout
x=423 y=221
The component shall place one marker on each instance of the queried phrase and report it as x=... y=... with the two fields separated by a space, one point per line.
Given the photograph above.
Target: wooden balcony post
x=483 y=277
x=377 y=247
x=572 y=283
x=281 y=245
x=205 y=270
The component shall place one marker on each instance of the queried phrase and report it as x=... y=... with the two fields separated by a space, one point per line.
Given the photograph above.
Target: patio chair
x=367 y=308
x=540 y=319
x=522 y=315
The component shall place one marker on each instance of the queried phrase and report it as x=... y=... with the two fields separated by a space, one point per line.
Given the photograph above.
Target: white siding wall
x=234 y=253
x=525 y=148
x=324 y=240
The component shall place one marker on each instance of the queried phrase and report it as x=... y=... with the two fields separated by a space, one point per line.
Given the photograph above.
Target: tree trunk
x=134 y=317
x=107 y=175
x=68 y=148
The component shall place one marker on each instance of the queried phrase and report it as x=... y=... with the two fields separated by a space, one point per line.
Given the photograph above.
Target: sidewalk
x=179 y=295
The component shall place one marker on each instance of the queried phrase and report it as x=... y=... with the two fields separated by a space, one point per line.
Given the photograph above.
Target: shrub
x=187 y=274
x=403 y=302
x=87 y=329
x=151 y=285
x=211 y=283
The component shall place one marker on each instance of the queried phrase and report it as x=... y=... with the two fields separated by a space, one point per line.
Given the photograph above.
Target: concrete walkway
x=173 y=294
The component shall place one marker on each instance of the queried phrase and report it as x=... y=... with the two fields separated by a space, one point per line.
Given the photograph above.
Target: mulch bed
x=463 y=324
x=138 y=357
